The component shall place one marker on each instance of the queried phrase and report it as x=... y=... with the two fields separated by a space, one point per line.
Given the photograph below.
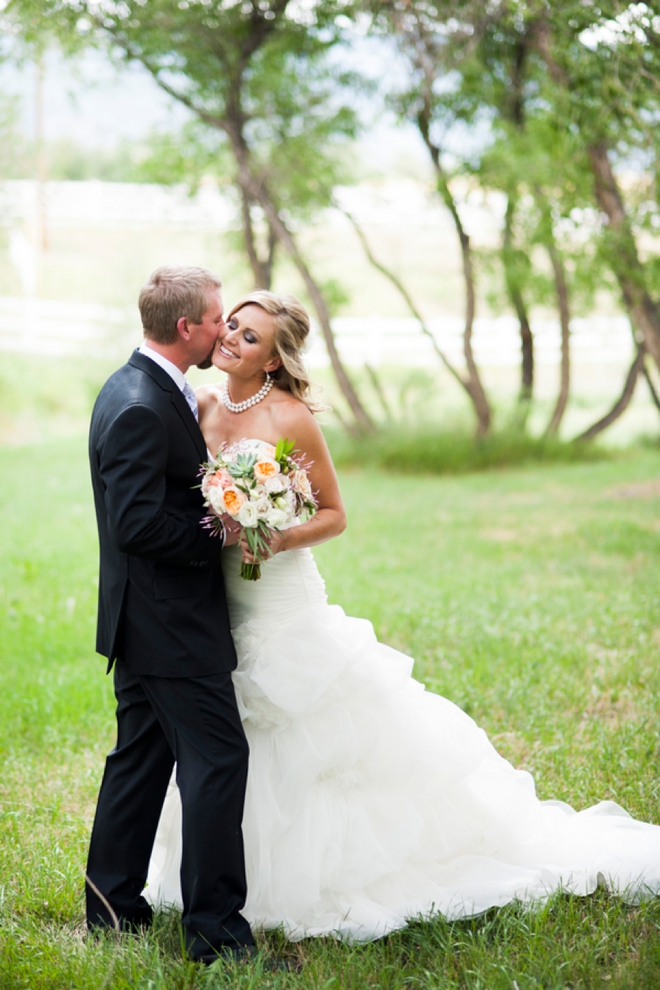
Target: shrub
x=429 y=450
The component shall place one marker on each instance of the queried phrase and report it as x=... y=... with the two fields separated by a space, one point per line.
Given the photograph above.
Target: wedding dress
x=371 y=801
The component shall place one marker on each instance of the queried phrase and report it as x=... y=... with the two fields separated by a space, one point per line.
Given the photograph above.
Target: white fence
x=122 y=205
x=40 y=326
x=32 y=325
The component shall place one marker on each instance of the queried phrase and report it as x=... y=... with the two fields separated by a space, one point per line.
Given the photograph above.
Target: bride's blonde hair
x=292 y=328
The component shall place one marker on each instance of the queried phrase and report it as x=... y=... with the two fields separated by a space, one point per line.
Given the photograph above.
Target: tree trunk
x=526 y=350
x=254 y=191
x=258 y=192
x=379 y=390
x=526 y=392
x=362 y=418
x=477 y=393
x=514 y=111
x=624 y=259
x=621 y=403
x=270 y=260
x=261 y=274
x=474 y=385
x=649 y=381
x=565 y=322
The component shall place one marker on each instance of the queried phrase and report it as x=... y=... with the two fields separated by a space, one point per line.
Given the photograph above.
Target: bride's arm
x=300 y=426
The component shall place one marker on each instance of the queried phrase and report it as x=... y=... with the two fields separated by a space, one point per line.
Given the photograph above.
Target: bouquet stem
x=250 y=572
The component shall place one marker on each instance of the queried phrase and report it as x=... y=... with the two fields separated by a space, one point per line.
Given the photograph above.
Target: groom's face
x=204 y=335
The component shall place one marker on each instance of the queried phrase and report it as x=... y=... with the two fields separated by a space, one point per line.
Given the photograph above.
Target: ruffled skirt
x=371 y=801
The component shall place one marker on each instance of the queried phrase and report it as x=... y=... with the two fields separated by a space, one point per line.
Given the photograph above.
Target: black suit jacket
x=162 y=605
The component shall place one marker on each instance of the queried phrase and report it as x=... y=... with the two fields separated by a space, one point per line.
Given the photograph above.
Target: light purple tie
x=191 y=398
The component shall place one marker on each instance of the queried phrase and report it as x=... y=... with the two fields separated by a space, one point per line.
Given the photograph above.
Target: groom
x=163 y=623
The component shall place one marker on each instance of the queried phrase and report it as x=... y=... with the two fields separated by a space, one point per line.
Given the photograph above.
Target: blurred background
x=467 y=205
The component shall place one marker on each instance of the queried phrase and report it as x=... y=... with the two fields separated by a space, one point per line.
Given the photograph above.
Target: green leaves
x=284 y=450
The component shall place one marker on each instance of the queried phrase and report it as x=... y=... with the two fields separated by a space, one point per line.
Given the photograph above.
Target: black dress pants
x=194 y=721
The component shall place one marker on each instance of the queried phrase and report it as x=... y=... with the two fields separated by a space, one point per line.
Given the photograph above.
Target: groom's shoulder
x=131 y=383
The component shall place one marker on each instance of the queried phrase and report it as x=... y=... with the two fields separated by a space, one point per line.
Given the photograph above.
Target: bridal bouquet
x=262 y=487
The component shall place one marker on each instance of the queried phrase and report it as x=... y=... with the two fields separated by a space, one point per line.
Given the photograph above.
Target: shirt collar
x=175 y=373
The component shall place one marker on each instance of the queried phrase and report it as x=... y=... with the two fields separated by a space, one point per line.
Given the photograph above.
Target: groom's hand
x=232 y=531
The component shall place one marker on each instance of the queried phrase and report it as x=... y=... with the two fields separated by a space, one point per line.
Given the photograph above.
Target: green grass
x=530 y=597
x=43 y=398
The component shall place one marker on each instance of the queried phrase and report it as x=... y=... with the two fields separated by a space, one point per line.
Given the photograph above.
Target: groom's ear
x=183 y=328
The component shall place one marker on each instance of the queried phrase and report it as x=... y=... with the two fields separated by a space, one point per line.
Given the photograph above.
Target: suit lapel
x=179 y=401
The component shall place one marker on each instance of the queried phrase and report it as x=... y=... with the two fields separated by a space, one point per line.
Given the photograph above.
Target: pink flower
x=220 y=478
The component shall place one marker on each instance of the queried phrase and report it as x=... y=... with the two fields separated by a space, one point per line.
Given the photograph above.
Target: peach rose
x=232 y=500
x=266 y=468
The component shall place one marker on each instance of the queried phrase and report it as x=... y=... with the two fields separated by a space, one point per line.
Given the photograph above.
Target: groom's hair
x=170 y=293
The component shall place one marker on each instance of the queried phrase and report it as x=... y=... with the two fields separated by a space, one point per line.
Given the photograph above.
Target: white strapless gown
x=370 y=800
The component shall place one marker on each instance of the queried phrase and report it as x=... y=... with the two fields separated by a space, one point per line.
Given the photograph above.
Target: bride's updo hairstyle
x=292 y=328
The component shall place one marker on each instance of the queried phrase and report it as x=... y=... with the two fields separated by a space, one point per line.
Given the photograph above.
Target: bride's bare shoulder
x=292 y=418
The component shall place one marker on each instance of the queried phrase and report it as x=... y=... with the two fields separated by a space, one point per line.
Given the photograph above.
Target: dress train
x=371 y=801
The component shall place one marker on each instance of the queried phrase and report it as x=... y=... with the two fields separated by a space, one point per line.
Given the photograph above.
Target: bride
x=370 y=801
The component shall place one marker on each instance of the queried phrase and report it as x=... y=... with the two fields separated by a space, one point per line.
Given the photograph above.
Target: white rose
x=266 y=448
x=214 y=498
x=301 y=482
x=278 y=483
x=248 y=514
x=276 y=518
x=262 y=505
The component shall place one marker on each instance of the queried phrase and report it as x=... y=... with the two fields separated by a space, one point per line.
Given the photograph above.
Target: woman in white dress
x=370 y=801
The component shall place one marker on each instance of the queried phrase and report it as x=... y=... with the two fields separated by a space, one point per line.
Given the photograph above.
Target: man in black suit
x=163 y=623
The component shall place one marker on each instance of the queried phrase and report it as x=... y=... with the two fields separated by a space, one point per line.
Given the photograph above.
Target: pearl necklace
x=239 y=407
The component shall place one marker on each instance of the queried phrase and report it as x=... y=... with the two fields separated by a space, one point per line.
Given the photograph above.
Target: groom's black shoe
x=247 y=954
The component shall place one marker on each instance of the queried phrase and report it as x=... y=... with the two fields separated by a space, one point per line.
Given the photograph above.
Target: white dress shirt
x=175 y=374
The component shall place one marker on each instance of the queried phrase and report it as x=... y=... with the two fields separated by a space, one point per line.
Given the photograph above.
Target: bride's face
x=246 y=345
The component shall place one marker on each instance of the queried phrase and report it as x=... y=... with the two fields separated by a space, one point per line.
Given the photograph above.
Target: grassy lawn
x=529 y=597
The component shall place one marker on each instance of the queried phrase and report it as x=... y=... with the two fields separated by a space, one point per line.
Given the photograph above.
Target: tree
x=257 y=74
x=498 y=78
x=603 y=63
x=421 y=31
x=576 y=83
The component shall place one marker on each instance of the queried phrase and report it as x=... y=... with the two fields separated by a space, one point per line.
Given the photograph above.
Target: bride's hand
x=275 y=543
x=232 y=530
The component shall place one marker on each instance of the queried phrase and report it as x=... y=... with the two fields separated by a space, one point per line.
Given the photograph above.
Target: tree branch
x=621 y=403
x=401 y=289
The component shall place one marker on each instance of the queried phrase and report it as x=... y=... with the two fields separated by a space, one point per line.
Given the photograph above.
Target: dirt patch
x=614 y=708
x=641 y=489
x=500 y=535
